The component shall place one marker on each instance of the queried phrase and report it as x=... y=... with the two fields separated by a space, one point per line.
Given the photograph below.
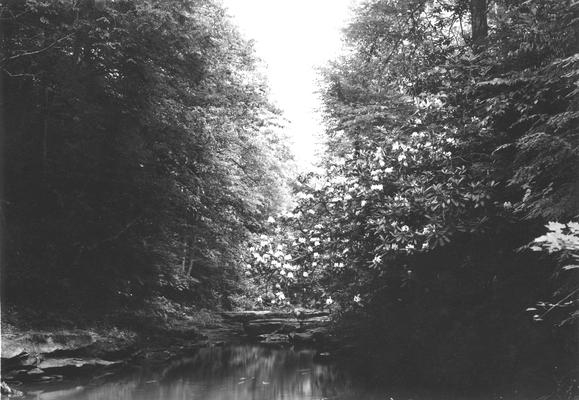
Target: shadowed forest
x=146 y=178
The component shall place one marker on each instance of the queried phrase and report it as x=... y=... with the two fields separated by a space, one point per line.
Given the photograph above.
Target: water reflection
x=229 y=373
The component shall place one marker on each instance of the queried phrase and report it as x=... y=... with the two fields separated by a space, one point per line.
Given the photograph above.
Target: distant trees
x=141 y=151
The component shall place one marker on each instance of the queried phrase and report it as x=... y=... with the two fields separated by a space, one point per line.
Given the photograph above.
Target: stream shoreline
x=51 y=355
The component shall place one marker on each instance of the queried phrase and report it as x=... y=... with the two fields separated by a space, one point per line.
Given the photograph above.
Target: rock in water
x=7 y=390
x=303 y=338
x=278 y=325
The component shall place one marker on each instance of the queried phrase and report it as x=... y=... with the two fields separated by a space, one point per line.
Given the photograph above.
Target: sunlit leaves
x=561 y=240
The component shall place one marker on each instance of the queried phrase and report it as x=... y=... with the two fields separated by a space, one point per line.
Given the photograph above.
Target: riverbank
x=51 y=347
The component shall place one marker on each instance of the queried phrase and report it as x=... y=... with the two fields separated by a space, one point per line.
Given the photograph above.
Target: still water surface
x=222 y=373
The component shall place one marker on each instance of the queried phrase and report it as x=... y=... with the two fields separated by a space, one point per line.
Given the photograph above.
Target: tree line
x=140 y=152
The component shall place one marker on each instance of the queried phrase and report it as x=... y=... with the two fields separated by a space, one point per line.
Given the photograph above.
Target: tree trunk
x=184 y=259
x=191 y=262
x=478 y=17
x=45 y=136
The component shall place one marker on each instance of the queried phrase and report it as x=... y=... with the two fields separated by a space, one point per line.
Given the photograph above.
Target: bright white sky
x=293 y=37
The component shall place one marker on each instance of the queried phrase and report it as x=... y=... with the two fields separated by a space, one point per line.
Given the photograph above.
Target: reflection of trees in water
x=229 y=373
x=260 y=373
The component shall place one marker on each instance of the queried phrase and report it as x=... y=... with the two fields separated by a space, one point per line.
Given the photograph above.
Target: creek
x=232 y=372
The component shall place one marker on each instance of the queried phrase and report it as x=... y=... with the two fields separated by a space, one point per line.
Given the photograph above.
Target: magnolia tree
x=368 y=211
x=286 y=265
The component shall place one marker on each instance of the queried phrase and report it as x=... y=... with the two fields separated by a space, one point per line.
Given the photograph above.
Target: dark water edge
x=238 y=372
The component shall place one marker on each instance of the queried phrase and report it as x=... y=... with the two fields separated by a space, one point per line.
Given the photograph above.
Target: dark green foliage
x=140 y=151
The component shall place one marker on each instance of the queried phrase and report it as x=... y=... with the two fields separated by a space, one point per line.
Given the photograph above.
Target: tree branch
x=12 y=16
x=11 y=75
x=35 y=52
